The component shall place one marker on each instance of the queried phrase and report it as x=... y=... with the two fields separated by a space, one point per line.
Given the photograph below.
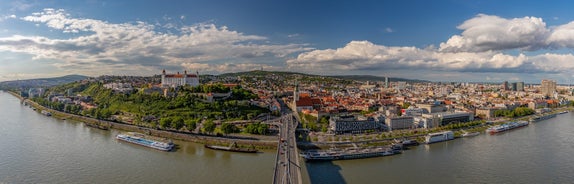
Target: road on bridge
x=287 y=167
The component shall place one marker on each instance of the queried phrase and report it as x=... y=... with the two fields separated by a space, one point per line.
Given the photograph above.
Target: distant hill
x=375 y=78
x=42 y=82
x=344 y=77
x=259 y=72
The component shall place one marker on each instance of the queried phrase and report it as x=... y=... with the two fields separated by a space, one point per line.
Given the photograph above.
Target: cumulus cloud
x=364 y=55
x=562 y=36
x=488 y=32
x=493 y=33
x=5 y=17
x=482 y=46
x=139 y=45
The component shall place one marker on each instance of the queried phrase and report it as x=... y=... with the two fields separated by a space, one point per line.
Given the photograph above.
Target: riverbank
x=191 y=137
x=326 y=141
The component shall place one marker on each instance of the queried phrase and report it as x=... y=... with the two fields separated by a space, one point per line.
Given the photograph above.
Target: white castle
x=174 y=80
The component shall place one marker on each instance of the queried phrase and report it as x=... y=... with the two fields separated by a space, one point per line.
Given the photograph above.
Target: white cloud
x=480 y=48
x=389 y=30
x=5 y=17
x=19 y=5
x=493 y=33
x=139 y=46
x=487 y=32
x=293 y=35
x=556 y=63
x=182 y=17
x=366 y=56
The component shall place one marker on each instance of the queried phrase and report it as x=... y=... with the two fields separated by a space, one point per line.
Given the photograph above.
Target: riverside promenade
x=184 y=136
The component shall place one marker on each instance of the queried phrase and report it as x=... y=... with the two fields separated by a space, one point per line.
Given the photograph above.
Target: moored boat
x=233 y=148
x=542 y=117
x=439 y=137
x=140 y=140
x=349 y=153
x=506 y=126
x=410 y=142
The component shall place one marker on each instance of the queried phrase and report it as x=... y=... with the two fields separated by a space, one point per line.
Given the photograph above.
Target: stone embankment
x=198 y=138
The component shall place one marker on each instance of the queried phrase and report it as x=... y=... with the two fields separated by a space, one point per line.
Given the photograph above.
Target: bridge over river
x=287 y=167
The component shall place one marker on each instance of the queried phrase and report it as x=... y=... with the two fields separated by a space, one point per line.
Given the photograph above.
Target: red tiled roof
x=304 y=101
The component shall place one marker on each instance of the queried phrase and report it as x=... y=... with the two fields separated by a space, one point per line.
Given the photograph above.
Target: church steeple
x=296 y=92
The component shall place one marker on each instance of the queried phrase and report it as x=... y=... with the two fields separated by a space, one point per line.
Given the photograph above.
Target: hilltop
x=375 y=78
x=41 y=82
x=344 y=77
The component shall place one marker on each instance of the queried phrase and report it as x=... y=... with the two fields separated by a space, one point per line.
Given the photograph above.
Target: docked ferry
x=349 y=153
x=139 y=140
x=543 y=117
x=233 y=147
x=439 y=137
x=506 y=126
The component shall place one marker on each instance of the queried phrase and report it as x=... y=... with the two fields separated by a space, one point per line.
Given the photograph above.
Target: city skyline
x=464 y=41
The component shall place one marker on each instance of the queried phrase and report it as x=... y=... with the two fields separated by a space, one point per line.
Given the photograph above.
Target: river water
x=39 y=149
x=540 y=153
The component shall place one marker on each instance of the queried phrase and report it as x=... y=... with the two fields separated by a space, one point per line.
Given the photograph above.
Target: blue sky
x=456 y=40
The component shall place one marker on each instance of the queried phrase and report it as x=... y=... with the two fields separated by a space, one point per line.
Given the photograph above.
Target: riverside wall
x=191 y=137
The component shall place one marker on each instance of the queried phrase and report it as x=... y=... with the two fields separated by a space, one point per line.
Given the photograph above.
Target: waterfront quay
x=204 y=139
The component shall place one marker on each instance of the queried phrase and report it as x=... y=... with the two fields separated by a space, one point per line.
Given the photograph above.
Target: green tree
x=324 y=120
x=209 y=126
x=406 y=105
x=324 y=128
x=257 y=128
x=228 y=128
x=177 y=123
x=262 y=129
x=165 y=122
x=190 y=124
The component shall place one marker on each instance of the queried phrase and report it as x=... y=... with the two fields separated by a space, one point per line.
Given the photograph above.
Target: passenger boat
x=506 y=127
x=140 y=140
x=543 y=117
x=349 y=153
x=410 y=142
x=233 y=147
x=439 y=137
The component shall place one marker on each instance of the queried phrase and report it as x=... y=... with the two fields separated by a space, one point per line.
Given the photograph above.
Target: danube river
x=40 y=149
x=540 y=153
